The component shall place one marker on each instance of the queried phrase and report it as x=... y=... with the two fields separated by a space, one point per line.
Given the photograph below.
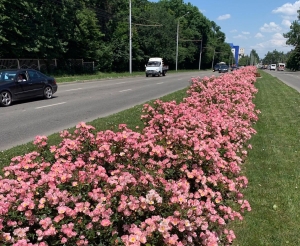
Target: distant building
x=235 y=51
x=241 y=52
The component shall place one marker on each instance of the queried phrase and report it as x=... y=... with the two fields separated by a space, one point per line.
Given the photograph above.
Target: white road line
x=74 y=89
x=120 y=83
x=160 y=83
x=125 y=90
x=50 y=105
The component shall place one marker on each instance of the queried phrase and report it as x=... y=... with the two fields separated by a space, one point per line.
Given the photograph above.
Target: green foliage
x=293 y=61
x=98 y=30
x=244 y=60
x=293 y=35
x=274 y=57
x=293 y=39
x=254 y=58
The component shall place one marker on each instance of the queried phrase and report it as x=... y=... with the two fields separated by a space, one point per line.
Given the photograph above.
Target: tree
x=98 y=30
x=293 y=38
x=274 y=57
x=254 y=58
x=244 y=60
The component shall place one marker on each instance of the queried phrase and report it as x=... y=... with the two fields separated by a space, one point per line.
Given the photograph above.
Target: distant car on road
x=234 y=68
x=19 y=84
x=281 y=67
x=217 y=66
x=223 y=69
x=273 y=67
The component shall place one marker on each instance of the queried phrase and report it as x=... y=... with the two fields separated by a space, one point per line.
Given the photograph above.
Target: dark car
x=234 y=68
x=216 y=67
x=19 y=84
x=223 y=69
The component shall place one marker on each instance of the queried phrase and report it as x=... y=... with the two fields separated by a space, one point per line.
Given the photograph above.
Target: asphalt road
x=84 y=101
x=291 y=79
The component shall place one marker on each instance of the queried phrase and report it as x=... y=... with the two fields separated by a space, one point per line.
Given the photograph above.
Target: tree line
x=98 y=30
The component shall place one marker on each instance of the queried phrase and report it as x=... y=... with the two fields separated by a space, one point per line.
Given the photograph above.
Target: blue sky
x=251 y=24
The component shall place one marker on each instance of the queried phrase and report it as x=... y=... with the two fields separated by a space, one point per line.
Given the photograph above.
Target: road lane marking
x=125 y=90
x=160 y=83
x=51 y=105
x=120 y=83
x=74 y=89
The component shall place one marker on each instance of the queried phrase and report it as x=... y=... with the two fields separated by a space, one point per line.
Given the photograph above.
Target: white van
x=280 y=66
x=273 y=67
x=156 y=66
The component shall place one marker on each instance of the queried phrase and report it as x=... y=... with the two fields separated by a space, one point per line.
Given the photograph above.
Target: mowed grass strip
x=273 y=169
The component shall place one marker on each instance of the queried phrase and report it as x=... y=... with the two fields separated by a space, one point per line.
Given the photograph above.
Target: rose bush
x=178 y=182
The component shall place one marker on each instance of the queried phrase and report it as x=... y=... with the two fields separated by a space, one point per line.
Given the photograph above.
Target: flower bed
x=178 y=182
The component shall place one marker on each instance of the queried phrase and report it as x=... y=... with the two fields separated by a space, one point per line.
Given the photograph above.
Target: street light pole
x=177 y=43
x=212 y=64
x=200 y=55
x=130 y=40
x=177 y=37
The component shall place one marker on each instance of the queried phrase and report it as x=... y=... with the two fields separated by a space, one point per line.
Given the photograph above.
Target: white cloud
x=276 y=41
x=224 y=17
x=288 y=13
x=240 y=37
x=269 y=46
x=234 y=30
x=245 y=33
x=286 y=23
x=259 y=35
x=288 y=8
x=272 y=27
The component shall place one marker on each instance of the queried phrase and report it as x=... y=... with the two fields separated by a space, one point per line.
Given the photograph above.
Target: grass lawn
x=99 y=75
x=272 y=168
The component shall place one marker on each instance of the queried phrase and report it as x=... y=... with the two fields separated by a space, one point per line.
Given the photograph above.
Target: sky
x=251 y=24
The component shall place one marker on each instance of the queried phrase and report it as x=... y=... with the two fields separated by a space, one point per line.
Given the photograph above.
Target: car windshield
x=153 y=64
x=224 y=66
x=7 y=75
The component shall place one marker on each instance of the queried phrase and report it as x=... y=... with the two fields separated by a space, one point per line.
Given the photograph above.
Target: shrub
x=178 y=182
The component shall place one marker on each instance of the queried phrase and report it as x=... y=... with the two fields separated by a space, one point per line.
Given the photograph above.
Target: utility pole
x=200 y=55
x=177 y=37
x=130 y=40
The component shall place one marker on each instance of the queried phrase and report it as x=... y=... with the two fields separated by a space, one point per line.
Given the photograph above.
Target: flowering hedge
x=178 y=182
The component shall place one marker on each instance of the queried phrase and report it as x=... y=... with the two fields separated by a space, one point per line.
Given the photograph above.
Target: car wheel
x=146 y=75
x=5 y=99
x=48 y=93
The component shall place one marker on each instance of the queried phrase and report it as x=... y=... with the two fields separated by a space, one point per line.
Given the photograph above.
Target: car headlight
x=157 y=70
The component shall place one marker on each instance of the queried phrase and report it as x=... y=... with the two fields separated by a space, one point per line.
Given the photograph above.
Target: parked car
x=223 y=69
x=19 y=84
